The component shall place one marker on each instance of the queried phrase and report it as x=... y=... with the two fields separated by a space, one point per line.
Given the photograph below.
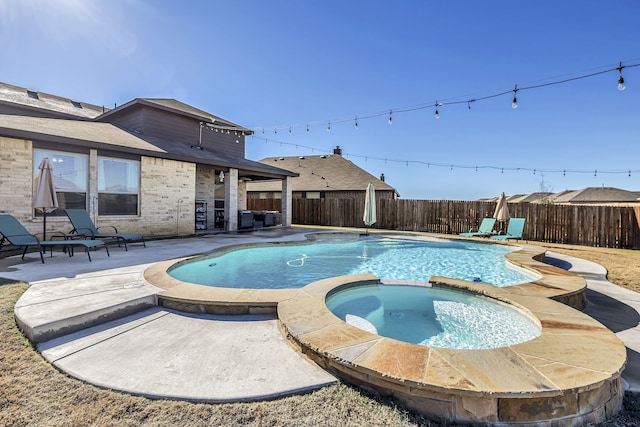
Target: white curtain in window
x=118 y=176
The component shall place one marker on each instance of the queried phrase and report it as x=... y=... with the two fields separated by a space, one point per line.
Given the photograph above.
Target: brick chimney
x=337 y=150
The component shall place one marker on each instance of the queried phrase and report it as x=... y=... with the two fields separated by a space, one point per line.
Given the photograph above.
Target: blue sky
x=271 y=65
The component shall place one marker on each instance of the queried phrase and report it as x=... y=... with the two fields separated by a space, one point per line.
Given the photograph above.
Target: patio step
x=60 y=307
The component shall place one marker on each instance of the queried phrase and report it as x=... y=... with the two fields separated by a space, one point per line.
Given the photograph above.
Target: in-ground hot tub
x=434 y=317
x=568 y=375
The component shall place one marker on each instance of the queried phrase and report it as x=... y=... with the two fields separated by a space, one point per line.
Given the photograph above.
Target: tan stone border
x=554 y=283
x=569 y=374
x=571 y=371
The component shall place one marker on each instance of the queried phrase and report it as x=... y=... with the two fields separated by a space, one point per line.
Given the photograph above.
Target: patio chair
x=485 y=229
x=514 y=230
x=15 y=233
x=82 y=224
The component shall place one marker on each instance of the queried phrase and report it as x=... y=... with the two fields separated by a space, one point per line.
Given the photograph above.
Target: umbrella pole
x=44 y=226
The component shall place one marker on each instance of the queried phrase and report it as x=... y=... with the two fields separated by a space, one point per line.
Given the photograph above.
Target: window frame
x=40 y=153
x=103 y=193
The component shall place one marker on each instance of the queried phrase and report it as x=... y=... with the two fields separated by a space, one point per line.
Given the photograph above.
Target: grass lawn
x=34 y=393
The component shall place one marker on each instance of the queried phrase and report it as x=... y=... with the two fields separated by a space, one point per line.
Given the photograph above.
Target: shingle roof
x=39 y=100
x=321 y=173
x=108 y=136
x=598 y=195
x=181 y=108
x=541 y=197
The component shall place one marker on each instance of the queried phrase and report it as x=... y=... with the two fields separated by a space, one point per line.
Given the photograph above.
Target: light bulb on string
x=356 y=119
x=307 y=128
x=436 y=114
x=621 y=85
x=329 y=126
x=289 y=129
x=390 y=118
x=514 y=103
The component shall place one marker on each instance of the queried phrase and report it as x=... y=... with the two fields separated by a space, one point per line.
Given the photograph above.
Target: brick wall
x=16 y=182
x=167 y=198
x=167 y=194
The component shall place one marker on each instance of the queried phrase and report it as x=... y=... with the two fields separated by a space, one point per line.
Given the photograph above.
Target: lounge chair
x=514 y=230
x=485 y=229
x=15 y=233
x=83 y=225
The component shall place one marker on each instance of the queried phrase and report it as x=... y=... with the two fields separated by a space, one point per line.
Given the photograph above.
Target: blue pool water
x=279 y=266
x=432 y=317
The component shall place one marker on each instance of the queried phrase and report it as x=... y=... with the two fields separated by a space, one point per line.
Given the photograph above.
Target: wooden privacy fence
x=605 y=226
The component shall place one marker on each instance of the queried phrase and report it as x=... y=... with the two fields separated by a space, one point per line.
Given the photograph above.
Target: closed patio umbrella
x=502 y=210
x=369 y=217
x=45 y=199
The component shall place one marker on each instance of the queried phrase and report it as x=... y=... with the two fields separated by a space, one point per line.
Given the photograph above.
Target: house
x=587 y=196
x=140 y=166
x=320 y=177
x=598 y=196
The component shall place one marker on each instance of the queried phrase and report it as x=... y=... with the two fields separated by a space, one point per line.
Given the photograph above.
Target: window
x=32 y=94
x=313 y=195
x=69 y=178
x=118 y=186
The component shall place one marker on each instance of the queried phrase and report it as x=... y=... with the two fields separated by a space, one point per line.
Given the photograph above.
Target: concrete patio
x=98 y=321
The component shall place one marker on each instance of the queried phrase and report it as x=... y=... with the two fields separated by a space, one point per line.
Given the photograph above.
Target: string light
x=329 y=126
x=621 y=85
x=514 y=103
x=390 y=118
x=469 y=101
x=356 y=122
x=453 y=166
x=437 y=114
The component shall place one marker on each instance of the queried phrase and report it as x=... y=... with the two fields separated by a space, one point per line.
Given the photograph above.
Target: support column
x=92 y=195
x=287 y=201
x=231 y=199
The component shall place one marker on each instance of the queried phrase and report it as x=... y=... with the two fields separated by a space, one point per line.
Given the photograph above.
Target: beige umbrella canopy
x=502 y=210
x=369 y=217
x=45 y=199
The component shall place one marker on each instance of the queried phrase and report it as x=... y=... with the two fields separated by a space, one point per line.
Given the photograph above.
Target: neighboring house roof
x=320 y=173
x=108 y=136
x=599 y=195
x=586 y=195
x=541 y=197
x=181 y=108
x=36 y=100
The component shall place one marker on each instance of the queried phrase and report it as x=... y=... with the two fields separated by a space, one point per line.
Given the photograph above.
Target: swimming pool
x=434 y=317
x=294 y=266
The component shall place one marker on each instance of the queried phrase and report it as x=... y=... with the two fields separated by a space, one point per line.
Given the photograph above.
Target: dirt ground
x=34 y=393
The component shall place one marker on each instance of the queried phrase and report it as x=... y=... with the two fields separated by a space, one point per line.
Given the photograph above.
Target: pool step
x=51 y=310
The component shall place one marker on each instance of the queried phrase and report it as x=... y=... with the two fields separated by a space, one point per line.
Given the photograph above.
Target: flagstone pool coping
x=569 y=374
